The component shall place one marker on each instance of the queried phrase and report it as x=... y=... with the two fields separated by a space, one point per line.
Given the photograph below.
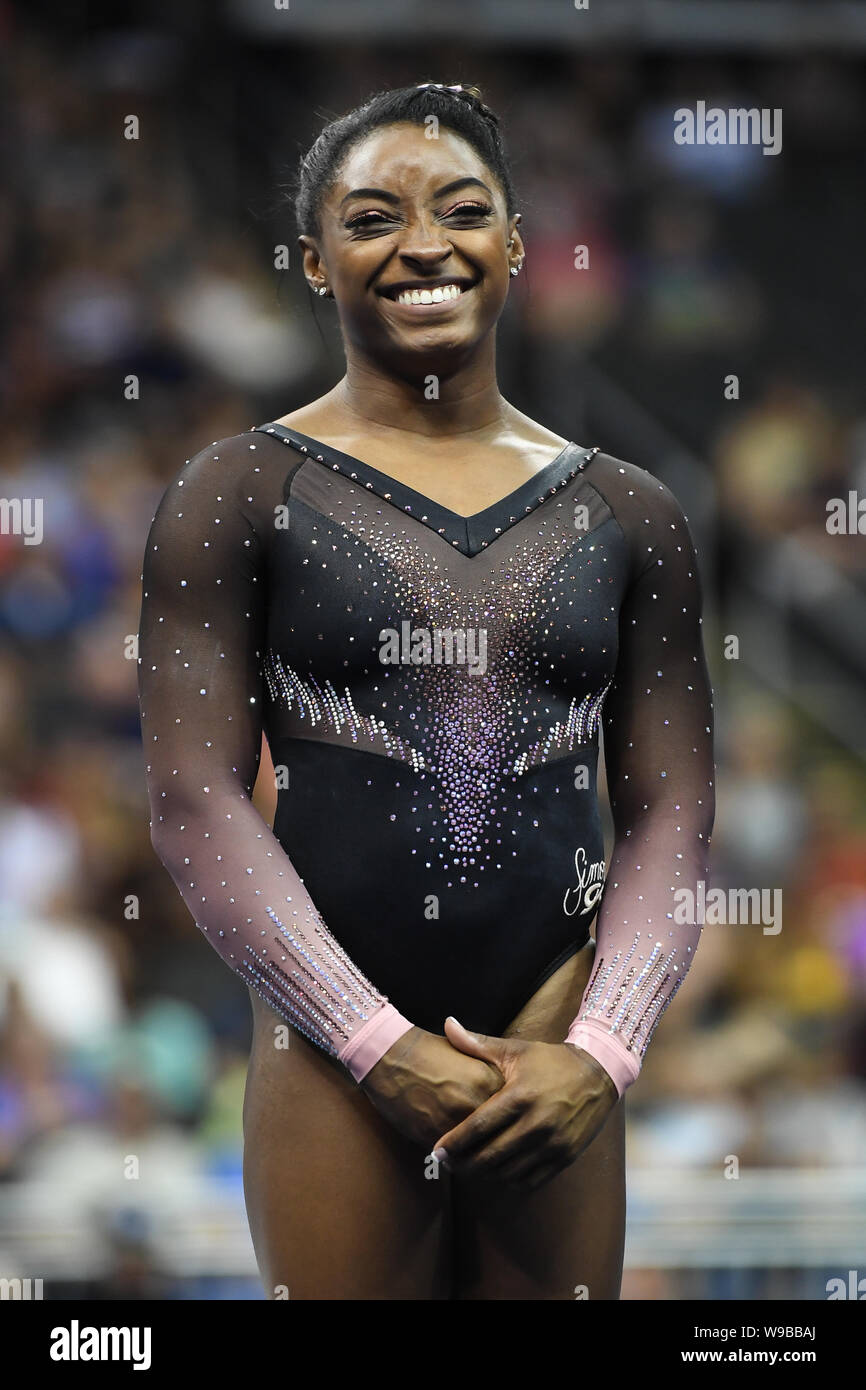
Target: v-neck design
x=469 y=534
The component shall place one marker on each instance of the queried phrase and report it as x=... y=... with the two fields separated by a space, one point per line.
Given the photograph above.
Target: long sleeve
x=658 y=740
x=202 y=633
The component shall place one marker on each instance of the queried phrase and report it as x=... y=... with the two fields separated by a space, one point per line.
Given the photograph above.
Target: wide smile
x=428 y=299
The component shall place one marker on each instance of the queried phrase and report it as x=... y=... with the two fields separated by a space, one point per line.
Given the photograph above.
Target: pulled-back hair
x=459 y=108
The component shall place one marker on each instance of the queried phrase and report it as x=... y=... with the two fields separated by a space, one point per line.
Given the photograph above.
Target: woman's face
x=422 y=219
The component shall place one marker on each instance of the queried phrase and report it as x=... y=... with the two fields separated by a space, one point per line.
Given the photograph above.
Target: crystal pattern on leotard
x=470 y=727
x=320 y=703
x=310 y=993
x=561 y=612
x=630 y=998
x=466 y=795
x=579 y=727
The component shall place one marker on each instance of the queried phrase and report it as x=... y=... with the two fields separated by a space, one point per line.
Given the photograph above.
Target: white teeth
x=435 y=296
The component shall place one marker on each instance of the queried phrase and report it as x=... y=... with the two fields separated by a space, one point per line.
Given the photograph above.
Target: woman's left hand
x=554 y=1101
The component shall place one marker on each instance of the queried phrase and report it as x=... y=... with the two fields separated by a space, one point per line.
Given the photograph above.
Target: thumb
x=474 y=1044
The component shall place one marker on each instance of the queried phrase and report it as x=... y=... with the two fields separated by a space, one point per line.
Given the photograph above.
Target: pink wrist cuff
x=372 y=1041
x=621 y=1065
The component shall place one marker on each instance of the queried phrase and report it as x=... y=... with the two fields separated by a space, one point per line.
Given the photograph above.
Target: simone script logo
x=590 y=882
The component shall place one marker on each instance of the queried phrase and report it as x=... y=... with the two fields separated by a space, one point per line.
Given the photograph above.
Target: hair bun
x=470 y=94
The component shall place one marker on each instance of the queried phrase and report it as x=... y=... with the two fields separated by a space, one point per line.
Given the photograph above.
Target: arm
x=658 y=740
x=201 y=635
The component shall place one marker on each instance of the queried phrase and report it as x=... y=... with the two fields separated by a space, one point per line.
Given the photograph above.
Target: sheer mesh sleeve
x=658 y=741
x=202 y=625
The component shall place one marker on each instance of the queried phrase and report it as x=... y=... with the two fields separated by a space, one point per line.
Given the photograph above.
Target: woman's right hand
x=424 y=1086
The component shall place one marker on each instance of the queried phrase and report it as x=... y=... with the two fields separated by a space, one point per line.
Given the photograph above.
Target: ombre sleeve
x=201 y=637
x=658 y=741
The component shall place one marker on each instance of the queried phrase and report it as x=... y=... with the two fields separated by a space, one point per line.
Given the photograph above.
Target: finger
x=516 y=1154
x=514 y=1149
x=481 y=1045
x=488 y=1120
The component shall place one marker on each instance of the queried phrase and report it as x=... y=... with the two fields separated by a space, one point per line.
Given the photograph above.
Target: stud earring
x=321 y=289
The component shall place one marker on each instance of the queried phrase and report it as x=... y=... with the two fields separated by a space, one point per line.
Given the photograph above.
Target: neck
x=467 y=400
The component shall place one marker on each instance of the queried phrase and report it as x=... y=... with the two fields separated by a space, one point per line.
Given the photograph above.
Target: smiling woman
x=454 y=229
x=437 y=850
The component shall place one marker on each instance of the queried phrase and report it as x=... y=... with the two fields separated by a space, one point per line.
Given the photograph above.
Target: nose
x=424 y=245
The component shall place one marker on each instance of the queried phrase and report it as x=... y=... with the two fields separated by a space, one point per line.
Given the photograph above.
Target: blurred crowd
x=143 y=317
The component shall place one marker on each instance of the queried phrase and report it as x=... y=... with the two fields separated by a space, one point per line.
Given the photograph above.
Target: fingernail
x=463 y=1026
x=440 y=1155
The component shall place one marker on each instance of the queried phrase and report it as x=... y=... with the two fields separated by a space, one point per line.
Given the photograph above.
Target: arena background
x=143 y=316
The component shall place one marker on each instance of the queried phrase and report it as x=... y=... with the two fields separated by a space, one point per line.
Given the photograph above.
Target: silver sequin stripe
x=309 y=1001
x=278 y=994
x=350 y=977
x=578 y=728
x=338 y=712
x=639 y=1002
x=324 y=704
x=311 y=993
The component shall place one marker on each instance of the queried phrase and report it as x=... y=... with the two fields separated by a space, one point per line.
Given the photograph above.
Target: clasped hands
x=503 y=1109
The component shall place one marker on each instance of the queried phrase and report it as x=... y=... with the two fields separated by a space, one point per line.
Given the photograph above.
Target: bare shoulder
x=531 y=434
x=315 y=416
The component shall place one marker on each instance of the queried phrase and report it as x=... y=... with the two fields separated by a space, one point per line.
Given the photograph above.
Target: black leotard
x=431 y=687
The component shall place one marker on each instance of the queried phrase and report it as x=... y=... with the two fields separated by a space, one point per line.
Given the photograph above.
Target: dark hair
x=459 y=108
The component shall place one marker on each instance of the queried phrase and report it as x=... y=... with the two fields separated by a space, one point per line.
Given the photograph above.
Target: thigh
x=565 y=1240
x=340 y=1205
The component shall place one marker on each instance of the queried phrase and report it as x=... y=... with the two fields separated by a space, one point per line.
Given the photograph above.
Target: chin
x=436 y=352
x=456 y=335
